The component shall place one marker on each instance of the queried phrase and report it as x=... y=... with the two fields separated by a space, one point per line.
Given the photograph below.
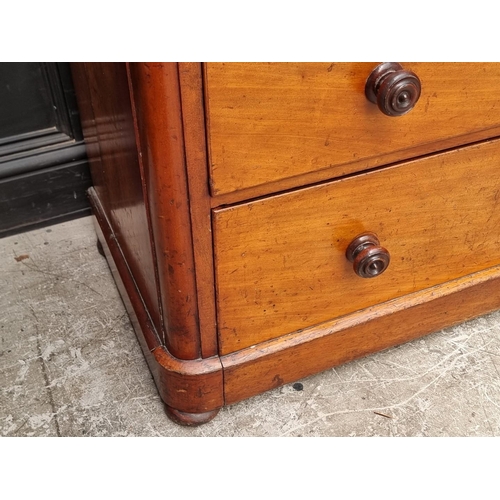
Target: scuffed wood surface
x=280 y=361
x=275 y=121
x=280 y=261
x=108 y=128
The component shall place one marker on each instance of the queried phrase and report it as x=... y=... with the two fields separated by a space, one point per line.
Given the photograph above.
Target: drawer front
x=280 y=261
x=269 y=122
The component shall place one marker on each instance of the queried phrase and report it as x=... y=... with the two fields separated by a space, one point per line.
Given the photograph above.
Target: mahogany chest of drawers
x=265 y=222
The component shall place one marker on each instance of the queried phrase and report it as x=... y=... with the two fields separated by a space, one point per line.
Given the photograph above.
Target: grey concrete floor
x=70 y=365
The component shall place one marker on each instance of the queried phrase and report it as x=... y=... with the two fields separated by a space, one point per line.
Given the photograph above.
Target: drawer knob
x=368 y=257
x=394 y=89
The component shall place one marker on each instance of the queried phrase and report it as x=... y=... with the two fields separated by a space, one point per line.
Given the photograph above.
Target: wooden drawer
x=280 y=261
x=273 y=121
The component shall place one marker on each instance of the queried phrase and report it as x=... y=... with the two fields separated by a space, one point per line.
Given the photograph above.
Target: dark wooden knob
x=394 y=89
x=368 y=257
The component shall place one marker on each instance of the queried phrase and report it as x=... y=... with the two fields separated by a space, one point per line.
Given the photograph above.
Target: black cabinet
x=43 y=169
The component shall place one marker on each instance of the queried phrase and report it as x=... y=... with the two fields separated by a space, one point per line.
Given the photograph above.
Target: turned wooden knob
x=394 y=89
x=368 y=257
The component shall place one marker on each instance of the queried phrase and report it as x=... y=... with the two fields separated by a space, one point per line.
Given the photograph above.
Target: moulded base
x=194 y=390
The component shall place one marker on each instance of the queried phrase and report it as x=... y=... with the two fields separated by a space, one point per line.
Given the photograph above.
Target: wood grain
x=192 y=387
x=275 y=121
x=280 y=261
x=284 y=360
x=108 y=128
x=193 y=120
x=280 y=143
x=155 y=87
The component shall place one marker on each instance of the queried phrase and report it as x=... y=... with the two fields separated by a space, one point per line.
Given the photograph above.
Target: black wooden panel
x=38 y=111
x=37 y=108
x=28 y=107
x=43 y=168
x=44 y=157
x=43 y=196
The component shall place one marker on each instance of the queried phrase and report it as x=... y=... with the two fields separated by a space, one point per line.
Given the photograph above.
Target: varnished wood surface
x=284 y=360
x=161 y=330
x=281 y=264
x=104 y=104
x=87 y=119
x=193 y=120
x=269 y=122
x=288 y=301
x=156 y=94
x=192 y=389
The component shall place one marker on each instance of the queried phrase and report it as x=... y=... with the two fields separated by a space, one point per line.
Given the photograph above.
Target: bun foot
x=190 y=419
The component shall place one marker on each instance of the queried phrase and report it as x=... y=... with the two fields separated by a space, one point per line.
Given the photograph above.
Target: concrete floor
x=70 y=365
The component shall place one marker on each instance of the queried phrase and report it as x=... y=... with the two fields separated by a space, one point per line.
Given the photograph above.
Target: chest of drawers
x=265 y=222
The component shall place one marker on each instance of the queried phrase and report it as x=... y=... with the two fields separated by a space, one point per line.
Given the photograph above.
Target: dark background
x=44 y=173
